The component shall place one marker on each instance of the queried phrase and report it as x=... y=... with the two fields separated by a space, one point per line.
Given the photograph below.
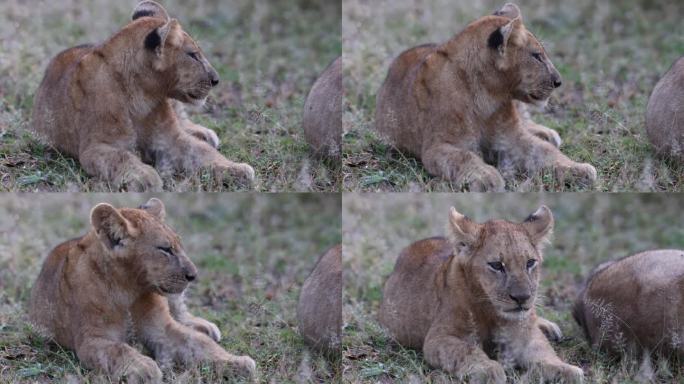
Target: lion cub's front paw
x=205 y=326
x=550 y=329
x=565 y=373
x=240 y=173
x=486 y=373
x=550 y=135
x=141 y=179
x=142 y=370
x=485 y=179
x=582 y=174
x=208 y=135
x=240 y=366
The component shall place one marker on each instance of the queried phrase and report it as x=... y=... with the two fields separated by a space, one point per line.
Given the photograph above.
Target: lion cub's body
x=319 y=311
x=322 y=119
x=454 y=105
x=441 y=299
x=111 y=106
x=665 y=113
x=635 y=304
x=95 y=292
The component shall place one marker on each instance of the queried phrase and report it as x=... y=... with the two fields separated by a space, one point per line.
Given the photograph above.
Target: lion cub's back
x=45 y=300
x=49 y=106
x=319 y=311
x=410 y=293
x=637 y=300
x=665 y=113
x=322 y=119
x=394 y=93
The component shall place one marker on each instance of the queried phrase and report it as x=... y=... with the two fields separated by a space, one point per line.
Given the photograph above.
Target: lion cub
x=322 y=119
x=664 y=122
x=110 y=103
x=319 y=310
x=126 y=277
x=635 y=305
x=469 y=302
x=455 y=105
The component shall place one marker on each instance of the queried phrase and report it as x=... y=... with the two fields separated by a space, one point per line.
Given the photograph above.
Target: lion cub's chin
x=515 y=315
x=540 y=103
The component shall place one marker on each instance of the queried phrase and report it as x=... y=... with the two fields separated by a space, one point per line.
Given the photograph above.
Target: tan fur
x=323 y=112
x=454 y=106
x=125 y=278
x=665 y=113
x=112 y=105
x=635 y=304
x=319 y=312
x=446 y=298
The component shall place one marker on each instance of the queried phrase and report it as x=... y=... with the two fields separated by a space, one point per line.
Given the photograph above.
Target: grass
x=610 y=54
x=268 y=54
x=590 y=228
x=253 y=253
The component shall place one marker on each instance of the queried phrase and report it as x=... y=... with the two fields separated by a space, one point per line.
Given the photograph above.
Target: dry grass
x=253 y=253
x=268 y=54
x=610 y=54
x=590 y=228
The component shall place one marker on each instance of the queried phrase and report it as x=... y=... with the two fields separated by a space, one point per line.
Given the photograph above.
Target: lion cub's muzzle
x=178 y=279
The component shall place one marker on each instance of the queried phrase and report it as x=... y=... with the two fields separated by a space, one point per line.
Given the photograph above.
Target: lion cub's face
x=180 y=64
x=140 y=245
x=502 y=259
x=521 y=59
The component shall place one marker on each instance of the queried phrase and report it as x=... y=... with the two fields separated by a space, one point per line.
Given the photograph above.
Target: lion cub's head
x=176 y=63
x=518 y=58
x=138 y=244
x=501 y=260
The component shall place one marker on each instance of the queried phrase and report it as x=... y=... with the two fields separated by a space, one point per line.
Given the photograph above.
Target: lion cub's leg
x=531 y=153
x=201 y=132
x=462 y=167
x=539 y=358
x=117 y=360
x=461 y=358
x=550 y=329
x=171 y=341
x=193 y=129
x=185 y=152
x=544 y=133
x=180 y=312
x=119 y=167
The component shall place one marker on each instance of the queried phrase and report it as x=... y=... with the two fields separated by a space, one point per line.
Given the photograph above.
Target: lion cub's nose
x=190 y=276
x=557 y=83
x=521 y=298
x=213 y=78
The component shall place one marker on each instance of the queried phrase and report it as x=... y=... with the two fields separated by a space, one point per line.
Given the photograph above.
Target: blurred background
x=609 y=53
x=589 y=229
x=267 y=52
x=253 y=253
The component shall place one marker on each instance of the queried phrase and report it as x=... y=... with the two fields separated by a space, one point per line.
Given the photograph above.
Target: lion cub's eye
x=531 y=263
x=497 y=266
x=194 y=56
x=538 y=57
x=166 y=250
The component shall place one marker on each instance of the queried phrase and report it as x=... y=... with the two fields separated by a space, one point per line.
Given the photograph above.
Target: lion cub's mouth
x=518 y=310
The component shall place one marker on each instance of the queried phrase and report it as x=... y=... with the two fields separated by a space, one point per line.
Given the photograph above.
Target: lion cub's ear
x=509 y=33
x=155 y=207
x=149 y=8
x=109 y=225
x=509 y=10
x=462 y=231
x=539 y=225
x=157 y=39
